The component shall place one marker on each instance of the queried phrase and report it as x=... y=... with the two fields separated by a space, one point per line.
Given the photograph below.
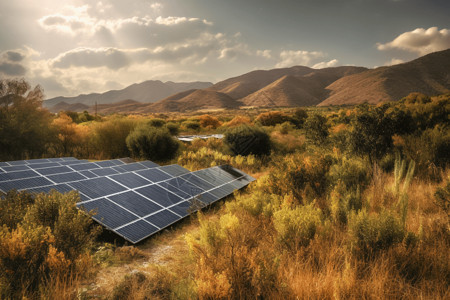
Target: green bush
x=296 y=227
x=316 y=129
x=156 y=122
x=271 y=118
x=245 y=140
x=13 y=207
x=190 y=124
x=173 y=128
x=152 y=143
x=352 y=173
x=110 y=137
x=370 y=234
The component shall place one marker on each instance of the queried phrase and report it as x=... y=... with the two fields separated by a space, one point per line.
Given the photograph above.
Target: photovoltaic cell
x=174 y=190
x=107 y=212
x=66 y=177
x=18 y=175
x=16 y=168
x=174 y=170
x=159 y=195
x=149 y=164
x=183 y=208
x=54 y=170
x=135 y=203
x=62 y=188
x=104 y=171
x=130 y=180
x=154 y=175
x=131 y=167
x=185 y=186
x=163 y=218
x=137 y=231
x=97 y=187
x=88 y=174
x=86 y=166
x=43 y=165
x=26 y=183
x=197 y=181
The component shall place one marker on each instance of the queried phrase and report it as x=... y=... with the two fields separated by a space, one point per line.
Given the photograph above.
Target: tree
x=372 y=131
x=245 y=140
x=152 y=143
x=316 y=129
x=25 y=127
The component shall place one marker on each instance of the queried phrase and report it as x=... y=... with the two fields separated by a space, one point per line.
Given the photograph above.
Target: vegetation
x=350 y=202
x=152 y=143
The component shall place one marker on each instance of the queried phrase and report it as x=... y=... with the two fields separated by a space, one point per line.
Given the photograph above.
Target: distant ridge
x=286 y=87
x=147 y=91
x=429 y=74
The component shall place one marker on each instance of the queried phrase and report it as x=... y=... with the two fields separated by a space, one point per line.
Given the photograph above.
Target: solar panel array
x=135 y=200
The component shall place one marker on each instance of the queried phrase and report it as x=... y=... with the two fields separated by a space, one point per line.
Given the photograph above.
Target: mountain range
x=286 y=87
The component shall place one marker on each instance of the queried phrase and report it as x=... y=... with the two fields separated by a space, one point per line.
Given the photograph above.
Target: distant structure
x=190 y=138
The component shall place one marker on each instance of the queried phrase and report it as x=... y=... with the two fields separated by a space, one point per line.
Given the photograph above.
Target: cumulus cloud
x=264 y=53
x=421 y=41
x=326 y=64
x=394 y=61
x=12 y=69
x=291 y=58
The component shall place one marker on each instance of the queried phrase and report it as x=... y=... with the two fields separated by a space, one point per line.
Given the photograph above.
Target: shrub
x=156 y=122
x=245 y=140
x=351 y=172
x=152 y=143
x=13 y=207
x=238 y=120
x=271 y=118
x=193 y=125
x=173 y=128
x=110 y=137
x=207 y=121
x=370 y=234
x=316 y=129
x=299 y=117
x=296 y=227
x=442 y=197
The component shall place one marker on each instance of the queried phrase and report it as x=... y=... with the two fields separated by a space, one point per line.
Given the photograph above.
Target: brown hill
x=147 y=91
x=429 y=74
x=125 y=106
x=242 y=86
x=196 y=100
x=68 y=107
x=298 y=90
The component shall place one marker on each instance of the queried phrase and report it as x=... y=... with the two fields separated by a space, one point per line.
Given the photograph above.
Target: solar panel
x=133 y=199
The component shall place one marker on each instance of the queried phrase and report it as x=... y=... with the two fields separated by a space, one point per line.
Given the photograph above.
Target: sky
x=79 y=46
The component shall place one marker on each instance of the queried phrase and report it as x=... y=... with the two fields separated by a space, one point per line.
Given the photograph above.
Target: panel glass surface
x=130 y=180
x=163 y=218
x=135 y=203
x=107 y=212
x=137 y=231
x=154 y=175
x=159 y=195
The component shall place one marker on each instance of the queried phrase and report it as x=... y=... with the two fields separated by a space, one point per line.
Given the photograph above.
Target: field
x=349 y=203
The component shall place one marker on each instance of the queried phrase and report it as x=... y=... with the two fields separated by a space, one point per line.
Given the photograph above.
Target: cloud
x=394 y=61
x=421 y=41
x=326 y=64
x=14 y=55
x=92 y=58
x=291 y=58
x=12 y=69
x=264 y=53
x=156 y=6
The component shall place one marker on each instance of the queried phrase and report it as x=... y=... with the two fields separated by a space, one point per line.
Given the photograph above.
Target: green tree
x=372 y=131
x=316 y=129
x=25 y=127
x=245 y=140
x=152 y=143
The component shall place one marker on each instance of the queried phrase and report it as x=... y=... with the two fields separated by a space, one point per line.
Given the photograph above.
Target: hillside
x=196 y=100
x=298 y=90
x=147 y=91
x=295 y=86
x=429 y=74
